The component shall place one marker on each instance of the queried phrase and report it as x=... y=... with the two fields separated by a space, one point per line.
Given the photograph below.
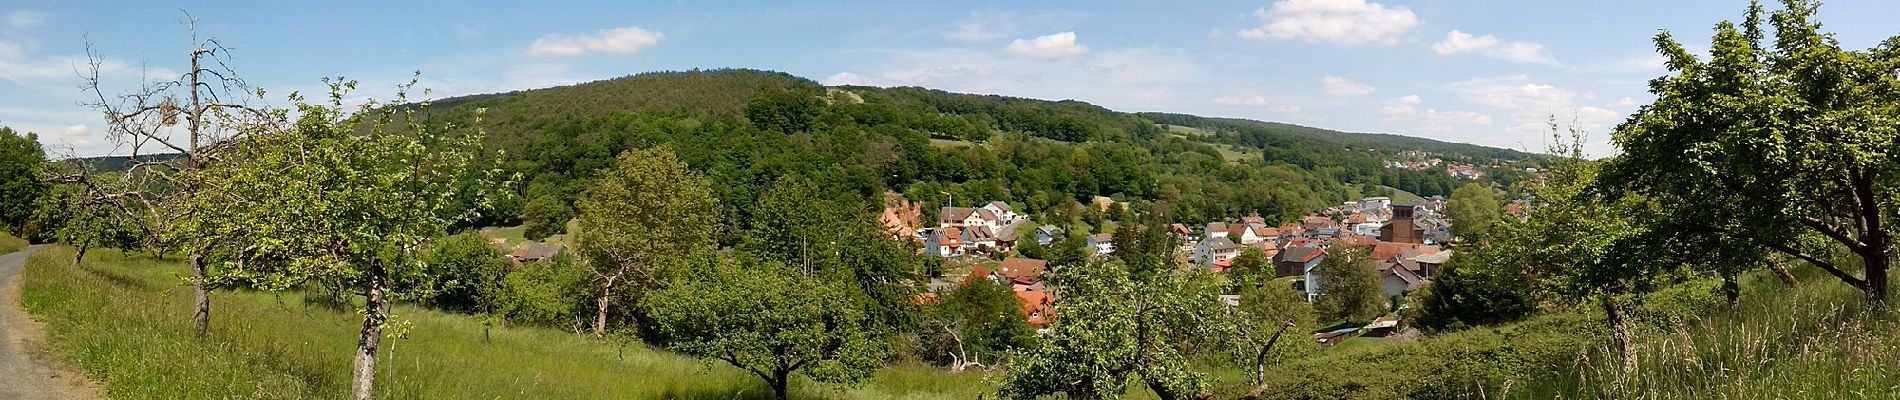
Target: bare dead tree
x=168 y=130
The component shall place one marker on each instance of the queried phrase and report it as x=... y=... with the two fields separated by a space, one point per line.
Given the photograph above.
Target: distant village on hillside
x=1404 y=240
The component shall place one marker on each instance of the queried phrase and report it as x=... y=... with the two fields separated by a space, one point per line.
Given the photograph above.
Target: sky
x=1488 y=72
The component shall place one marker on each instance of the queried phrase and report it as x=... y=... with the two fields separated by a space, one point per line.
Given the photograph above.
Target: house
x=979 y=239
x=1429 y=264
x=1007 y=235
x=945 y=242
x=1021 y=270
x=1036 y=308
x=1397 y=280
x=1374 y=203
x=1250 y=233
x=1312 y=222
x=1047 y=234
x=1215 y=250
x=1001 y=211
x=956 y=217
x=1181 y=231
x=1103 y=243
x=535 y=252
x=1253 y=220
x=1215 y=229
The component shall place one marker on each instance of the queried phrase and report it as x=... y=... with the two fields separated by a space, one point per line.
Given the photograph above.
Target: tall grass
x=124 y=319
x=10 y=243
x=1818 y=341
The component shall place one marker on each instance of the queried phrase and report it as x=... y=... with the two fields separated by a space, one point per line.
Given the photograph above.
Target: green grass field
x=124 y=319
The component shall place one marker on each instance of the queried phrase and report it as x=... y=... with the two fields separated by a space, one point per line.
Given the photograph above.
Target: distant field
x=124 y=320
x=950 y=143
x=1186 y=131
x=1230 y=154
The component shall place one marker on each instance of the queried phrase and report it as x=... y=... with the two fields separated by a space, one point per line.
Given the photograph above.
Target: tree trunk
x=362 y=385
x=600 y=318
x=781 y=380
x=1786 y=278
x=1877 y=263
x=1731 y=289
x=201 y=318
x=80 y=256
x=1619 y=332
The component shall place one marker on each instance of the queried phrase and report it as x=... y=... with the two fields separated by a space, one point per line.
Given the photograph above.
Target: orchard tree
x=1472 y=209
x=1788 y=142
x=1269 y=325
x=772 y=321
x=639 y=219
x=1110 y=328
x=978 y=320
x=465 y=274
x=342 y=198
x=171 y=129
x=1349 y=285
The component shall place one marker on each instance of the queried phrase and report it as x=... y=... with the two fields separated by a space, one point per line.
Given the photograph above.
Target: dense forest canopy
x=746 y=128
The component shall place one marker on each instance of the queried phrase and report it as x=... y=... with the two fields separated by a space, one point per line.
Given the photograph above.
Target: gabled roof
x=950 y=236
x=1009 y=233
x=1434 y=258
x=1216 y=226
x=1218 y=244
x=1000 y=205
x=1036 y=307
x=986 y=214
x=1253 y=220
x=955 y=214
x=1412 y=281
x=1100 y=238
x=1178 y=229
x=980 y=233
x=1302 y=254
x=536 y=251
x=1022 y=270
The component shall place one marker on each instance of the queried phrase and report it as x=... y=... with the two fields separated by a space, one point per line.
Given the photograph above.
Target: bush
x=467 y=273
x=545 y=293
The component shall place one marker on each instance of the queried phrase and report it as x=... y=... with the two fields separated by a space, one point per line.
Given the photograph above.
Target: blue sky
x=1485 y=72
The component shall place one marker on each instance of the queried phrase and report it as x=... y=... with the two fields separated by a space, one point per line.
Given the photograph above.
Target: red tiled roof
x=1022 y=270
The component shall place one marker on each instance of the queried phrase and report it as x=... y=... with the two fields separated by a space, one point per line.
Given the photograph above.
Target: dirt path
x=26 y=369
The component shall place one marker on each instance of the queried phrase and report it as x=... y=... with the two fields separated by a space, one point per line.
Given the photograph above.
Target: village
x=1404 y=239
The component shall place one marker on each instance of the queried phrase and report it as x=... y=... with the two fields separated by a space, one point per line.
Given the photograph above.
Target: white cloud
x=1145 y=65
x=846 y=78
x=1515 y=93
x=23 y=19
x=1253 y=100
x=1338 y=86
x=76 y=130
x=1405 y=109
x=1347 y=22
x=622 y=40
x=1457 y=42
x=1625 y=102
x=1053 y=46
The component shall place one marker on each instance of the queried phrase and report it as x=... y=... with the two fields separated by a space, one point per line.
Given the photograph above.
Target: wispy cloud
x=1338 y=86
x=1457 y=42
x=1346 y=22
x=622 y=40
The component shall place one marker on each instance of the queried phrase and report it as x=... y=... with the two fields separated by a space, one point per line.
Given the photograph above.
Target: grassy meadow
x=124 y=319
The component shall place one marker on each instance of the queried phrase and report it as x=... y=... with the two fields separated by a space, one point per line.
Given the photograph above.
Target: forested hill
x=747 y=129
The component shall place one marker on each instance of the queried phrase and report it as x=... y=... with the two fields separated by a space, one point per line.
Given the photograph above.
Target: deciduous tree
x=1472 y=209
x=771 y=321
x=1349 y=285
x=342 y=198
x=646 y=215
x=1787 y=142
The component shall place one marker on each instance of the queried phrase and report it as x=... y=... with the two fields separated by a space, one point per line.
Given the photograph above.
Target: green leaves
x=1110 y=327
x=772 y=321
x=1349 y=285
x=329 y=196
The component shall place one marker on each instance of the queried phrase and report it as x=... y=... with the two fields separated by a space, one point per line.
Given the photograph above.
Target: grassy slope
x=10 y=243
x=1814 y=341
x=125 y=321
